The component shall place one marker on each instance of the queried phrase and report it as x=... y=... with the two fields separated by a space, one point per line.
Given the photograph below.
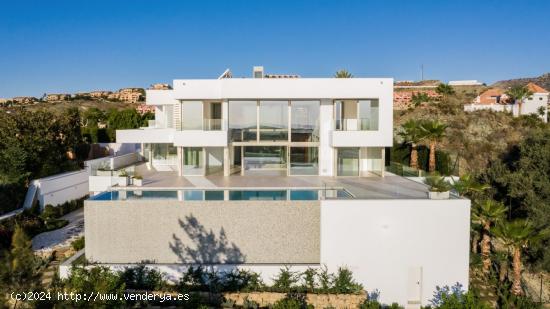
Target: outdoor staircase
x=49 y=271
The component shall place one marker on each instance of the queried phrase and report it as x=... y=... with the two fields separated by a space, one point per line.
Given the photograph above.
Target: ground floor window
x=164 y=154
x=304 y=161
x=264 y=158
x=193 y=161
x=347 y=162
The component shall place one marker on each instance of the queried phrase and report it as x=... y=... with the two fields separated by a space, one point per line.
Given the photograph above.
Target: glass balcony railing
x=356 y=124
x=213 y=124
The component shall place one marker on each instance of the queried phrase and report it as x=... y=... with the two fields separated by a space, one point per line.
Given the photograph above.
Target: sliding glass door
x=348 y=162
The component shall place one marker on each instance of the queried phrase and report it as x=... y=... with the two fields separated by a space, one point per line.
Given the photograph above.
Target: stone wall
x=317 y=300
x=205 y=232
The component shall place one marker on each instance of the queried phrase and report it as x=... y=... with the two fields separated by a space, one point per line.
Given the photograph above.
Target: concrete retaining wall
x=249 y=232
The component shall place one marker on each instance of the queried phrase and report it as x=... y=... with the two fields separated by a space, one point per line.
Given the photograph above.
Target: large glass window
x=191 y=115
x=348 y=162
x=273 y=120
x=242 y=121
x=304 y=161
x=164 y=154
x=264 y=158
x=193 y=161
x=304 y=121
x=368 y=114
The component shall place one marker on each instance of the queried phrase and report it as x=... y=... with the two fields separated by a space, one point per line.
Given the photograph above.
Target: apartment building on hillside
x=258 y=173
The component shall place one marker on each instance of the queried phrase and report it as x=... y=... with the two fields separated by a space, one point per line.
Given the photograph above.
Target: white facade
x=197 y=116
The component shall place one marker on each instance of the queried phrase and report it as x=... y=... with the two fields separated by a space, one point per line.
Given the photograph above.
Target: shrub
x=293 y=301
x=242 y=280
x=11 y=196
x=99 y=280
x=286 y=280
x=194 y=279
x=455 y=297
x=344 y=282
x=141 y=278
x=309 y=275
x=325 y=280
x=437 y=183
x=54 y=224
x=78 y=244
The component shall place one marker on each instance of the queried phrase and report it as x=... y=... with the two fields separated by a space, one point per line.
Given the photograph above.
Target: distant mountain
x=543 y=81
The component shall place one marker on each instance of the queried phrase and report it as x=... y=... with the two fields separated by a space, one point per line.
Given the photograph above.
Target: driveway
x=62 y=237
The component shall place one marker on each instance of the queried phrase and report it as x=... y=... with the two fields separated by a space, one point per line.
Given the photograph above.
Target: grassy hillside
x=543 y=81
x=82 y=104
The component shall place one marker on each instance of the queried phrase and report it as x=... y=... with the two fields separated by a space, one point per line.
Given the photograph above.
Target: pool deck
x=375 y=187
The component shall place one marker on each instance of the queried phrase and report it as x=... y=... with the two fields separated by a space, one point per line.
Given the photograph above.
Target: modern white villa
x=274 y=170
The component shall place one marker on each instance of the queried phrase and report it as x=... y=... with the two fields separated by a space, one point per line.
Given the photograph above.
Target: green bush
x=54 y=224
x=12 y=196
x=344 y=282
x=142 y=278
x=286 y=281
x=293 y=301
x=78 y=244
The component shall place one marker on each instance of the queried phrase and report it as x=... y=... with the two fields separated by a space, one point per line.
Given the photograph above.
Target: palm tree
x=518 y=235
x=466 y=185
x=412 y=134
x=487 y=214
x=343 y=74
x=444 y=90
x=419 y=98
x=518 y=94
x=433 y=131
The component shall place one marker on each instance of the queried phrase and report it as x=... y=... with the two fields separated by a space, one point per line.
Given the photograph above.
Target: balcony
x=356 y=132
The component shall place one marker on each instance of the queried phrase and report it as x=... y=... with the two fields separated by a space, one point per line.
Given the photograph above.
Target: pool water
x=233 y=195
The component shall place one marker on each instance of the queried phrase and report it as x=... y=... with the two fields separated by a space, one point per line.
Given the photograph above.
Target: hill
x=543 y=81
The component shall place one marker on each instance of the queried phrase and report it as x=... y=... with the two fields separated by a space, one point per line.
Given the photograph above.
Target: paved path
x=62 y=237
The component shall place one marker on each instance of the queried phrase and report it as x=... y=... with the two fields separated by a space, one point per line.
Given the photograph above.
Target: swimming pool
x=220 y=195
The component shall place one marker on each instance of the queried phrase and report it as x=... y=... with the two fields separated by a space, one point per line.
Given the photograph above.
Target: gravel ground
x=49 y=241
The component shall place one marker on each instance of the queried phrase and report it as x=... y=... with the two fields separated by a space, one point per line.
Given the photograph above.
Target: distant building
x=24 y=100
x=131 y=95
x=143 y=108
x=496 y=99
x=160 y=86
x=471 y=82
x=58 y=97
x=100 y=94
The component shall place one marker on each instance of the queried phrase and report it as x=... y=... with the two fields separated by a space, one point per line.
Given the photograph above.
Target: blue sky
x=69 y=46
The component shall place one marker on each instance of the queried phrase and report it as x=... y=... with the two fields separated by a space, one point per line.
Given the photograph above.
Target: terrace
x=389 y=187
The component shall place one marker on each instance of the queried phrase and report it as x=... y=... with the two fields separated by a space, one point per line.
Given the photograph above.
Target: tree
x=518 y=94
x=444 y=90
x=518 y=235
x=419 y=98
x=343 y=74
x=433 y=131
x=521 y=178
x=468 y=186
x=412 y=134
x=19 y=271
x=487 y=214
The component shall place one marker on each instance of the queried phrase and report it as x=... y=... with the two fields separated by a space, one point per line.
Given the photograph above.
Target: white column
x=326 y=152
x=226 y=162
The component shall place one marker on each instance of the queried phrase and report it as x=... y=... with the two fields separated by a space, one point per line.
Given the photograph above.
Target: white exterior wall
x=380 y=240
x=60 y=188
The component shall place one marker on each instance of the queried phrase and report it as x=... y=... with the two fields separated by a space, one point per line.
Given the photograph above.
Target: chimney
x=258 y=72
